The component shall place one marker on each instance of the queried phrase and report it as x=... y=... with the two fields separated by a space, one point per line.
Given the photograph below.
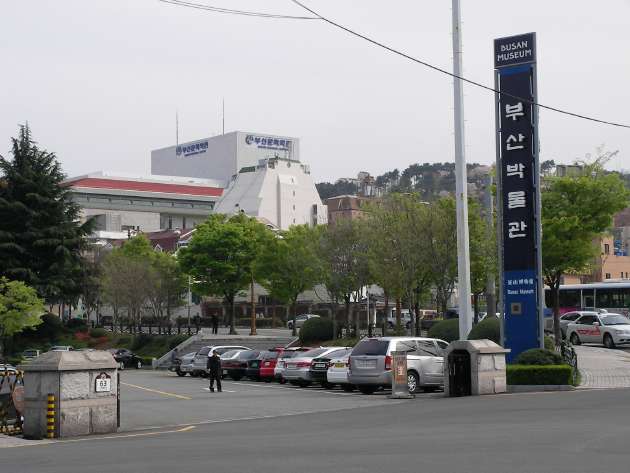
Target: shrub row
x=448 y=330
x=538 y=374
x=317 y=329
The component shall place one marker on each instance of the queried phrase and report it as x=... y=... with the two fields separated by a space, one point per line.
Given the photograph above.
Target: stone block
x=75 y=385
x=104 y=419
x=74 y=421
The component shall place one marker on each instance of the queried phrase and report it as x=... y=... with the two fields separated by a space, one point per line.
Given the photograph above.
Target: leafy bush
x=549 y=343
x=538 y=356
x=538 y=374
x=490 y=329
x=316 y=329
x=77 y=325
x=98 y=333
x=50 y=329
x=140 y=341
x=447 y=330
x=176 y=340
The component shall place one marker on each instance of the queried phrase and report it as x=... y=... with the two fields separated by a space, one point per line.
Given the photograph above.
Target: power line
x=444 y=71
x=230 y=11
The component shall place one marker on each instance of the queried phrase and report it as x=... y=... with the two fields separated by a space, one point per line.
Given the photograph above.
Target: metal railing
x=569 y=356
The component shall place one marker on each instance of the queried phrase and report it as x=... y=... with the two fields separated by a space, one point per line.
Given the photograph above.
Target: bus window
x=571 y=298
x=588 y=298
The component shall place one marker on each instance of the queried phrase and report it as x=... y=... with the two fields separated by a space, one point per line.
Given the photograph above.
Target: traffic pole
x=461 y=186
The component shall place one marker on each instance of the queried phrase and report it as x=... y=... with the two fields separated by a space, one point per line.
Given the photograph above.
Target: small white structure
x=474 y=368
x=279 y=190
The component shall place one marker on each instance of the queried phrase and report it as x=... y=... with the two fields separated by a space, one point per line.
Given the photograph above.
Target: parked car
x=297 y=370
x=300 y=319
x=125 y=358
x=320 y=365
x=61 y=348
x=254 y=364
x=370 y=365
x=607 y=328
x=287 y=353
x=200 y=362
x=30 y=354
x=183 y=364
x=268 y=364
x=337 y=372
x=236 y=368
x=405 y=318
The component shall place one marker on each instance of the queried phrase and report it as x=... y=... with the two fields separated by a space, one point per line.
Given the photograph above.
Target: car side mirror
x=596 y=324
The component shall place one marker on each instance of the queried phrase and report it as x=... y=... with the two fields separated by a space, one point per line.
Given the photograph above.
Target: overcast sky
x=99 y=81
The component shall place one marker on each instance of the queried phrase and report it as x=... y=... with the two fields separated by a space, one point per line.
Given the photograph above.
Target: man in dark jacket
x=214 y=370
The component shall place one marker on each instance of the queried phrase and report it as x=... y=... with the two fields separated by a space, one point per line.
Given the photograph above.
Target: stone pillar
x=84 y=385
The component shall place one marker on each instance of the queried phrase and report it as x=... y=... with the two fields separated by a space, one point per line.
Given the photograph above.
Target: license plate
x=319 y=365
x=366 y=363
x=267 y=363
x=254 y=365
x=340 y=365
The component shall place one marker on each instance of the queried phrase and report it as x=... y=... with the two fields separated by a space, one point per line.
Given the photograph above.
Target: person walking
x=215 y=324
x=214 y=371
x=174 y=355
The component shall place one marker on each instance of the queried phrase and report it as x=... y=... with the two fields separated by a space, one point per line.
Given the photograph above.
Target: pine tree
x=41 y=237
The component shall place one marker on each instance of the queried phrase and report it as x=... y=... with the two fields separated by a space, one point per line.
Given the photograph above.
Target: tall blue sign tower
x=518 y=186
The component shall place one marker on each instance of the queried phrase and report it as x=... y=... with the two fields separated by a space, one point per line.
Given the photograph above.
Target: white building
x=278 y=190
x=148 y=204
x=221 y=157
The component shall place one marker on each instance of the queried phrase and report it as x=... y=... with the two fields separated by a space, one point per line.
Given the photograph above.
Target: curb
x=534 y=388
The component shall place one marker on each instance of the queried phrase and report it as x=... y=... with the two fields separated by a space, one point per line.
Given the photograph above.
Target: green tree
x=41 y=237
x=219 y=259
x=575 y=211
x=167 y=286
x=20 y=308
x=483 y=255
x=294 y=264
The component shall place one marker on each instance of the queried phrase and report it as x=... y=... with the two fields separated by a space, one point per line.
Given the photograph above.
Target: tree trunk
x=398 y=314
x=417 y=317
x=294 y=328
x=232 y=313
x=252 y=330
x=273 y=313
x=386 y=302
x=476 y=308
x=334 y=317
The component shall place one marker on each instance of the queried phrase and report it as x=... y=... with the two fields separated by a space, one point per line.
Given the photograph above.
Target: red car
x=268 y=364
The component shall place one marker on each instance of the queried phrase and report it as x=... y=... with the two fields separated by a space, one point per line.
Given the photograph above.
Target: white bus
x=612 y=296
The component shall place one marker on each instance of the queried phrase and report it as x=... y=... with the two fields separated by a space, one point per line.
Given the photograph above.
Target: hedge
x=538 y=374
x=98 y=332
x=538 y=356
x=489 y=328
x=317 y=329
x=447 y=330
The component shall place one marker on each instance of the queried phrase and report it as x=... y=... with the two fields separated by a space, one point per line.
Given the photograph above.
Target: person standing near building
x=215 y=324
x=214 y=370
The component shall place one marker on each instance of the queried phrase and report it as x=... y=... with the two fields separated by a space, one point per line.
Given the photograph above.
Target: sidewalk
x=7 y=442
x=603 y=368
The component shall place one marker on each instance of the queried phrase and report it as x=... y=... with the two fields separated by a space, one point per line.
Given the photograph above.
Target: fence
x=569 y=356
x=11 y=400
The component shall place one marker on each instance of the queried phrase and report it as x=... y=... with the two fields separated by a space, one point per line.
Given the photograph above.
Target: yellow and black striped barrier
x=50 y=417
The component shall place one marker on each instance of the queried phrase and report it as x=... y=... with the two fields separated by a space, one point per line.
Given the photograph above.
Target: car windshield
x=614 y=319
x=371 y=347
x=229 y=354
x=339 y=353
x=269 y=355
x=313 y=353
x=249 y=355
x=204 y=351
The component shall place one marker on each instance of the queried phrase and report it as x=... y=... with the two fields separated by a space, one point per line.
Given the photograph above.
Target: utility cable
x=444 y=71
x=200 y=6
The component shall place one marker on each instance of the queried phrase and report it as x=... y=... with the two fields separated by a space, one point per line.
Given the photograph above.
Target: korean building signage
x=191 y=149
x=267 y=142
x=517 y=150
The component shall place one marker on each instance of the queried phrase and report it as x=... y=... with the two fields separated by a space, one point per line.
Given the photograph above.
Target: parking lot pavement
x=159 y=399
x=603 y=368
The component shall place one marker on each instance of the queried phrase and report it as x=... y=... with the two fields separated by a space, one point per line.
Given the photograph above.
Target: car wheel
x=121 y=366
x=138 y=364
x=180 y=373
x=236 y=377
x=347 y=387
x=290 y=326
x=194 y=374
x=304 y=384
x=282 y=381
x=608 y=341
x=327 y=385
x=267 y=380
x=367 y=389
x=575 y=340
x=413 y=381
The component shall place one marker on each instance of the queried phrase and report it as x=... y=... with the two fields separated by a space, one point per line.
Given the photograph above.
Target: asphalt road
x=580 y=431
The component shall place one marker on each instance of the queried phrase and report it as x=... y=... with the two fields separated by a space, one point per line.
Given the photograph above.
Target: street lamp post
x=461 y=191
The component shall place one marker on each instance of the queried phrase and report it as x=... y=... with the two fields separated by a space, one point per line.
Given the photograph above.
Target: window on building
x=183 y=222
x=607 y=276
x=606 y=249
x=170 y=223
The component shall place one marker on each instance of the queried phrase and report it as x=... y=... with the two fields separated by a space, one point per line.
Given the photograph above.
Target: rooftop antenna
x=176 y=128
